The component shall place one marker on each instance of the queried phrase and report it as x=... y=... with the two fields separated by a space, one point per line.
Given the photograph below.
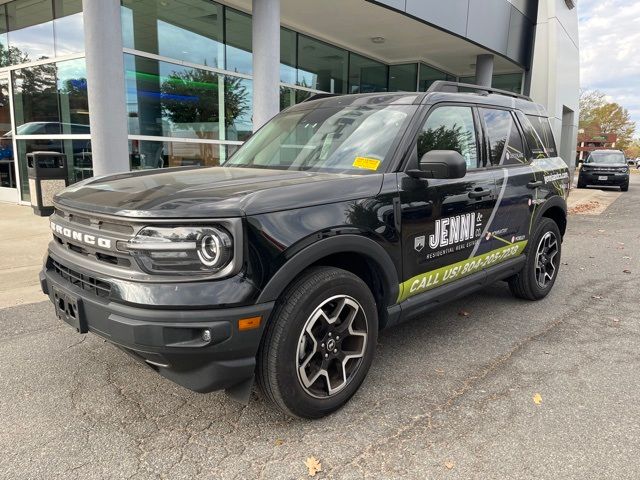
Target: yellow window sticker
x=366 y=163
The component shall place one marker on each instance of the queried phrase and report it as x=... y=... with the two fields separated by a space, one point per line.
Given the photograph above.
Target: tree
x=191 y=98
x=597 y=115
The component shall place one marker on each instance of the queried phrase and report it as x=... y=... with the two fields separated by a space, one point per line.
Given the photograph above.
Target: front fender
x=345 y=243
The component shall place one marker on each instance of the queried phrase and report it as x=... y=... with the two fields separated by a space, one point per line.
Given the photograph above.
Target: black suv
x=341 y=216
x=606 y=168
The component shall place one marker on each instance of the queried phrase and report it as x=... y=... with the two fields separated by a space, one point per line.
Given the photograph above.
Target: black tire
x=625 y=187
x=525 y=284
x=279 y=356
x=581 y=184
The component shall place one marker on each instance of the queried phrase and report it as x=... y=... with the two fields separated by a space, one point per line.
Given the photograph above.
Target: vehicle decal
x=505 y=178
x=366 y=163
x=449 y=273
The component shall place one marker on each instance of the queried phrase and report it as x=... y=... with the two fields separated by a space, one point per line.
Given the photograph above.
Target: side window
x=543 y=137
x=503 y=138
x=450 y=128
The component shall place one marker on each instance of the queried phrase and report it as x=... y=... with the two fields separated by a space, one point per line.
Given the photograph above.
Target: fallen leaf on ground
x=596 y=297
x=626 y=271
x=279 y=442
x=537 y=399
x=449 y=464
x=313 y=465
x=463 y=313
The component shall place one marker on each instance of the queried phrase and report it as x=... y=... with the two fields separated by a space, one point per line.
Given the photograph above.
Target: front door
x=445 y=222
x=8 y=179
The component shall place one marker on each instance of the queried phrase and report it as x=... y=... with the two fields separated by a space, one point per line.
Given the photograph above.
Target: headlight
x=623 y=170
x=182 y=250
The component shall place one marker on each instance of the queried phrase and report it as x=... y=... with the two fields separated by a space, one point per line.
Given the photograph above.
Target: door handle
x=479 y=193
x=537 y=184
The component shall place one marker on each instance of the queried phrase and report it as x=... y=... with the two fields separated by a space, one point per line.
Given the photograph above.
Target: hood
x=213 y=192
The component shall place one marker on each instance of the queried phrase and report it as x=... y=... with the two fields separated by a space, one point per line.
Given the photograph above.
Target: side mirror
x=441 y=164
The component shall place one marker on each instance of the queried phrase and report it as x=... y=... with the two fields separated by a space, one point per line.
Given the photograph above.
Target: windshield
x=331 y=139
x=612 y=158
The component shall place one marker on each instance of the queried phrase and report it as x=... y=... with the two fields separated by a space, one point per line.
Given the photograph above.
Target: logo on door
x=457 y=229
x=418 y=243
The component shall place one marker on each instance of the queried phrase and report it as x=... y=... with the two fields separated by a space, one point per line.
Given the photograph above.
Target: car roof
x=511 y=101
x=606 y=151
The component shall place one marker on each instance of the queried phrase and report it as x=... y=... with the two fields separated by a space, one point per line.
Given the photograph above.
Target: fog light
x=206 y=335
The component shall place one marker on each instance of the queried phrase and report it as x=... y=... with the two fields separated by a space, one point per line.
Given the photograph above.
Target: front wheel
x=319 y=344
x=625 y=187
x=539 y=274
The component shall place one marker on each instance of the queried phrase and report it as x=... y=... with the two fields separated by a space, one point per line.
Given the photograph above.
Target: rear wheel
x=539 y=274
x=319 y=344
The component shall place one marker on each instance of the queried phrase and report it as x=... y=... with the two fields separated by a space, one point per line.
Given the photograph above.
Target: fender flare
x=328 y=246
x=555 y=201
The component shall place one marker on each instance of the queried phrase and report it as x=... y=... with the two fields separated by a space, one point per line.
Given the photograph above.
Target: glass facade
x=511 y=82
x=189 y=91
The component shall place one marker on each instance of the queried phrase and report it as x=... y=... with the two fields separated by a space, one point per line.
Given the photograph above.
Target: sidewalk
x=23 y=243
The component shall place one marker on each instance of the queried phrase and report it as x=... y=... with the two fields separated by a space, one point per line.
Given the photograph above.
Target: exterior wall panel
x=503 y=26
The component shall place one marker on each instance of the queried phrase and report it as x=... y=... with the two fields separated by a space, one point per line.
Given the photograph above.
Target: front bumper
x=615 y=180
x=168 y=340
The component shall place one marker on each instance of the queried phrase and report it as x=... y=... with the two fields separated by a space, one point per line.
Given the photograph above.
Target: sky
x=610 y=51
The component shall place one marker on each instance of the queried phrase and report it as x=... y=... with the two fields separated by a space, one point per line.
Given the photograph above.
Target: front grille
x=80 y=280
x=98 y=224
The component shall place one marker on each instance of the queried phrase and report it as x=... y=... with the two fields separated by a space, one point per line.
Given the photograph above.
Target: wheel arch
x=555 y=209
x=359 y=255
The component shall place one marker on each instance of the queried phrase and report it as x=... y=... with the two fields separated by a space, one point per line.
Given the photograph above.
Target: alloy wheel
x=546 y=259
x=331 y=346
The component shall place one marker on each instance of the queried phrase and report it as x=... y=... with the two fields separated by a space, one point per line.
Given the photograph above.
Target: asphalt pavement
x=488 y=387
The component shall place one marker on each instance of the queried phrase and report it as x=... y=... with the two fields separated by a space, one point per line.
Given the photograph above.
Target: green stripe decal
x=444 y=275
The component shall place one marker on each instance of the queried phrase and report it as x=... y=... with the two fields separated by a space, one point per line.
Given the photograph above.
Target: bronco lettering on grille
x=85 y=238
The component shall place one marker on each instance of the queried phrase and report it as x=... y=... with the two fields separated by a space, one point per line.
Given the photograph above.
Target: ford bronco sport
x=605 y=168
x=341 y=216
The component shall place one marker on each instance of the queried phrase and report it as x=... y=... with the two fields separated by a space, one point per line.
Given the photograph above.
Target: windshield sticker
x=366 y=163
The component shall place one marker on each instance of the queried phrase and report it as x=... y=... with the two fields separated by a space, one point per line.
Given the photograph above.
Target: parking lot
x=489 y=387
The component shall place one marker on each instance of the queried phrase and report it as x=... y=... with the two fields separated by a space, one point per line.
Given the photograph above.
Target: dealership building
x=117 y=85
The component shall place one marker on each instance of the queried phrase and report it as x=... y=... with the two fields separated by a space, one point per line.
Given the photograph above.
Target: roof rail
x=318 y=96
x=445 y=86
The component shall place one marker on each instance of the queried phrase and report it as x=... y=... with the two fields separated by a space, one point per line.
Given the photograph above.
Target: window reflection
x=366 y=75
x=292 y=96
x=503 y=137
x=145 y=154
x=189 y=30
x=321 y=66
x=428 y=75
x=238 y=41
x=30 y=25
x=51 y=98
x=288 y=47
x=165 y=99
x=35 y=96
x=68 y=27
x=403 y=78
x=450 y=128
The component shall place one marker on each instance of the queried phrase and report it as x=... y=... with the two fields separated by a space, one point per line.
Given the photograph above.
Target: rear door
x=515 y=181
x=443 y=221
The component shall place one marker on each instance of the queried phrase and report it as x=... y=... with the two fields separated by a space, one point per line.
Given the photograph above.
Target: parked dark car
x=343 y=215
x=605 y=168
